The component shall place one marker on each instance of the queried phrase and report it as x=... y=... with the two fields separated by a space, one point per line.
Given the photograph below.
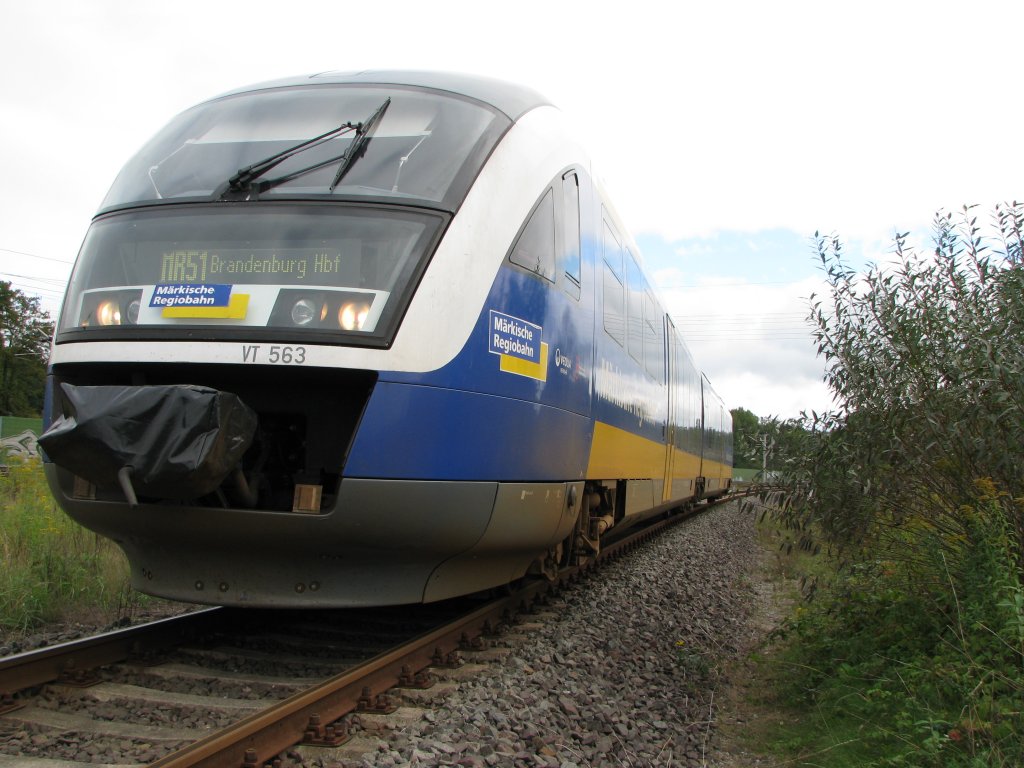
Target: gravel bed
x=625 y=668
x=229 y=661
x=626 y=676
x=138 y=713
x=200 y=686
x=33 y=742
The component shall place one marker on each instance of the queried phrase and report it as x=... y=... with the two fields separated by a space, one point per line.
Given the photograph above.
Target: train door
x=572 y=259
x=672 y=375
x=703 y=437
x=577 y=285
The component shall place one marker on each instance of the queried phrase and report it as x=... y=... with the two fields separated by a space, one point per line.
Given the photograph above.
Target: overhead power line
x=665 y=285
x=37 y=256
x=60 y=282
x=726 y=337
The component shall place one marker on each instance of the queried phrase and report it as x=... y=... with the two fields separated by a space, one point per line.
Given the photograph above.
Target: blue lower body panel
x=418 y=432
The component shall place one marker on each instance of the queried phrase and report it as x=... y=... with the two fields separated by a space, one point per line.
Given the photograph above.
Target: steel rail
x=258 y=738
x=75 y=658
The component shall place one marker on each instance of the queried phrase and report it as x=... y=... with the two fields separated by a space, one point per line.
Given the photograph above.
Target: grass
x=745 y=475
x=890 y=664
x=776 y=721
x=52 y=569
x=771 y=722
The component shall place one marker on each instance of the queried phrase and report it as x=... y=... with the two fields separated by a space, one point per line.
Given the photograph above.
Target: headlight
x=102 y=309
x=304 y=311
x=337 y=310
x=352 y=315
x=108 y=313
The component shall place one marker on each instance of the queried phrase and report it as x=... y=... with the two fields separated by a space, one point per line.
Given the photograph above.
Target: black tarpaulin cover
x=181 y=441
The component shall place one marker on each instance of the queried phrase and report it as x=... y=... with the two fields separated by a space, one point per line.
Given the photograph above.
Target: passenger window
x=614 y=302
x=634 y=309
x=535 y=248
x=654 y=338
x=614 y=316
x=571 y=232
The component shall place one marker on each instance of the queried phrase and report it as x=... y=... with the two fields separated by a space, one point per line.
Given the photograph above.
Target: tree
x=25 y=332
x=766 y=440
x=746 y=450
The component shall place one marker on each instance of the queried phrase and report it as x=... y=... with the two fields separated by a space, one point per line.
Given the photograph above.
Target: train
x=368 y=338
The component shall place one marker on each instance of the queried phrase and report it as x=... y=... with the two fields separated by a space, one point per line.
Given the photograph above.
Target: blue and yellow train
x=368 y=338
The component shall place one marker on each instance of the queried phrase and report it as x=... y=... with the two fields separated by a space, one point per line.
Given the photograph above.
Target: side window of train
x=614 y=301
x=535 y=248
x=571 y=233
x=634 y=309
x=654 y=338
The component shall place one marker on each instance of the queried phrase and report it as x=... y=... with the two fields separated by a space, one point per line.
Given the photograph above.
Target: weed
x=693 y=661
x=50 y=567
x=921 y=657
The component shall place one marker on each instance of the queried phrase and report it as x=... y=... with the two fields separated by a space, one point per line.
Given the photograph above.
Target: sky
x=726 y=133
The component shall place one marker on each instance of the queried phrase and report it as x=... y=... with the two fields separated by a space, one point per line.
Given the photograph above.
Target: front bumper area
x=385 y=542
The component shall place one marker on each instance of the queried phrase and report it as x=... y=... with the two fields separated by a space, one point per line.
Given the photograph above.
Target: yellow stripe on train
x=618 y=454
x=521 y=367
x=236 y=310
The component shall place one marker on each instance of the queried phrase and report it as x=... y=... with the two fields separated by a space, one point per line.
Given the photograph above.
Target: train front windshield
x=303 y=211
x=340 y=272
x=422 y=146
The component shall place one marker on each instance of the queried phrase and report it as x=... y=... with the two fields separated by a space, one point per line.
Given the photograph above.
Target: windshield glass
x=426 y=146
x=345 y=272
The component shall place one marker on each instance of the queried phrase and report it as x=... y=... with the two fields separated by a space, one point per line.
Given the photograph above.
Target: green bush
x=50 y=567
x=926 y=362
x=925 y=655
x=915 y=486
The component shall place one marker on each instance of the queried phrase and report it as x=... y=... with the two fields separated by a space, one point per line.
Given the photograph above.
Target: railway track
x=224 y=687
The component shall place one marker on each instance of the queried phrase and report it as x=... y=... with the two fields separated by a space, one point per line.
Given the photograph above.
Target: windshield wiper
x=358 y=145
x=244 y=177
x=242 y=181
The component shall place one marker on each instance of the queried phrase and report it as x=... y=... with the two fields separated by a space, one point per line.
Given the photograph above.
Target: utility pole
x=767 y=445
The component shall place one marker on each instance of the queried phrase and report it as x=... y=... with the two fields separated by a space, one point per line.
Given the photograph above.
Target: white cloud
x=753 y=341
